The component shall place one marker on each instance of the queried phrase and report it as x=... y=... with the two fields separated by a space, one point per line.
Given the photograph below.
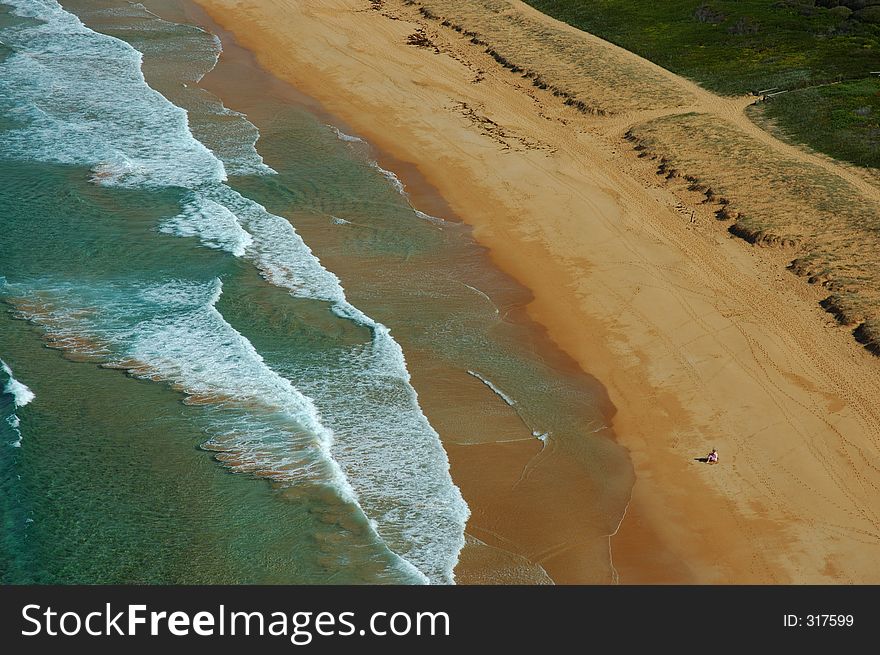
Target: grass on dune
x=735 y=46
x=741 y=46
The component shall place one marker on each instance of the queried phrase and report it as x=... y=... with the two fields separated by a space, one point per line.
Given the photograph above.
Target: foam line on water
x=259 y=422
x=143 y=141
x=394 y=463
x=342 y=136
x=232 y=138
x=378 y=374
x=401 y=189
x=484 y=295
x=212 y=223
x=510 y=401
x=21 y=396
x=543 y=437
x=381 y=467
x=391 y=177
x=431 y=219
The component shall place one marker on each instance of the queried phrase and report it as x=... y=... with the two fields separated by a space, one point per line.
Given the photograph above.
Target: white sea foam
x=216 y=226
x=429 y=218
x=342 y=136
x=388 y=436
x=277 y=249
x=391 y=177
x=339 y=221
x=226 y=132
x=484 y=295
x=543 y=437
x=194 y=348
x=15 y=422
x=172 y=332
x=80 y=97
x=510 y=401
x=21 y=394
x=233 y=140
x=128 y=10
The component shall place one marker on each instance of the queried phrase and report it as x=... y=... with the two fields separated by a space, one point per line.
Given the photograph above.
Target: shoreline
x=507 y=523
x=700 y=342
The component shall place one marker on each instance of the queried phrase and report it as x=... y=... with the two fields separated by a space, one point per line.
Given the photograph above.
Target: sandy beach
x=701 y=339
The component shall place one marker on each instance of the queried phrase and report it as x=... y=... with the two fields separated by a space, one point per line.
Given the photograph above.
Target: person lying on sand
x=712 y=458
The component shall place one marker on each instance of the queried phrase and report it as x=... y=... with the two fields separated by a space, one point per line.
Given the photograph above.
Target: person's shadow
x=701 y=459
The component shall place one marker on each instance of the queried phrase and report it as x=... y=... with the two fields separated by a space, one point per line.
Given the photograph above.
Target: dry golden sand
x=702 y=340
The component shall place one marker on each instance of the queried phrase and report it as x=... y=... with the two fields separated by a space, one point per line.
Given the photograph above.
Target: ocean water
x=252 y=327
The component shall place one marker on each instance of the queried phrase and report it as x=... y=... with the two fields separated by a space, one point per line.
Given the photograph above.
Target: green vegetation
x=842 y=120
x=738 y=46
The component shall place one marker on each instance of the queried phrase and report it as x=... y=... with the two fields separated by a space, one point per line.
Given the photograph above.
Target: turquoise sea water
x=246 y=329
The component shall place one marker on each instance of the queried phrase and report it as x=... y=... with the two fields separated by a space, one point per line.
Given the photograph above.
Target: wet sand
x=700 y=340
x=535 y=515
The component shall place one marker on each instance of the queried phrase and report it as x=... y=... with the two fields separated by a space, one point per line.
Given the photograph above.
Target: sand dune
x=702 y=340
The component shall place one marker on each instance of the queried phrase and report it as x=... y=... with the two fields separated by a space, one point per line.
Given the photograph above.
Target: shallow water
x=276 y=304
